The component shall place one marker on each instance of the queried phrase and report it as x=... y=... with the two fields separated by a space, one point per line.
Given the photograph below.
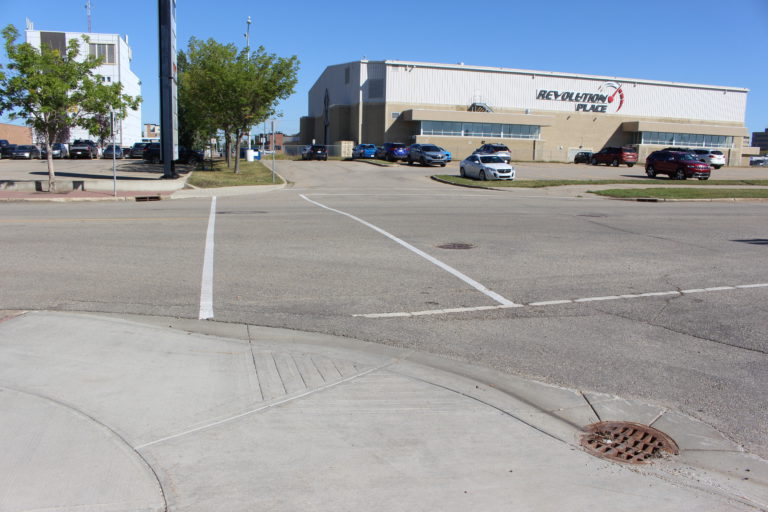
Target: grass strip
x=685 y=193
x=559 y=183
x=251 y=173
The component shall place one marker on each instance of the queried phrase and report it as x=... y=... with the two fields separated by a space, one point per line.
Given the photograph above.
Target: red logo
x=616 y=98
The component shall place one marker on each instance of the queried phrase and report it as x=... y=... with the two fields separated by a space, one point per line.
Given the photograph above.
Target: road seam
x=206 y=287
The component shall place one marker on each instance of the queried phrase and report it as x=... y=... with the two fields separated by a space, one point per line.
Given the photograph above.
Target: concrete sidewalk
x=102 y=414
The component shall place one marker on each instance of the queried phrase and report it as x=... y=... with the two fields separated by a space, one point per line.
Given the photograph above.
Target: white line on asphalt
x=403 y=314
x=495 y=296
x=206 y=288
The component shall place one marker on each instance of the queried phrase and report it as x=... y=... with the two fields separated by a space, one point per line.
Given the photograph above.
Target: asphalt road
x=643 y=300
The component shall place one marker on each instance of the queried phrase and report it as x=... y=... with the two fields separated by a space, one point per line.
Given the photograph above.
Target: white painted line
x=495 y=296
x=559 y=302
x=595 y=299
x=206 y=288
x=551 y=302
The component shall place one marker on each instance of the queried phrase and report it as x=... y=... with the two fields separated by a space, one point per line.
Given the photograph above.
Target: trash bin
x=249 y=155
x=258 y=155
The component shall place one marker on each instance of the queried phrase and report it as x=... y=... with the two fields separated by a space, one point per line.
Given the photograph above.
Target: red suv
x=615 y=156
x=678 y=165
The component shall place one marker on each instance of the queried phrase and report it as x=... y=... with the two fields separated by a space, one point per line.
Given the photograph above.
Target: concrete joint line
x=206 y=286
x=268 y=406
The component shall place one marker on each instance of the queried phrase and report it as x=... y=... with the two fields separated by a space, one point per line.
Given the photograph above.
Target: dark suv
x=83 y=149
x=314 y=152
x=678 y=165
x=392 y=151
x=615 y=156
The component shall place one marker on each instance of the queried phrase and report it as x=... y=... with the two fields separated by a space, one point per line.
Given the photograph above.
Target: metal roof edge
x=559 y=74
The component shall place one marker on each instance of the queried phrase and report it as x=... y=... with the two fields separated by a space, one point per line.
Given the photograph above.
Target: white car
x=486 y=167
x=713 y=157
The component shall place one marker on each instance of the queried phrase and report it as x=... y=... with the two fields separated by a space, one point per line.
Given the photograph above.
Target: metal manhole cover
x=456 y=245
x=623 y=441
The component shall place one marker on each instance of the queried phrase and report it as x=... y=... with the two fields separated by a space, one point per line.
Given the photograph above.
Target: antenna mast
x=88 y=12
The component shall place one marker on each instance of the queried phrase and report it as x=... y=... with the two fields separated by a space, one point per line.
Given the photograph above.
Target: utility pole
x=248 y=35
x=88 y=12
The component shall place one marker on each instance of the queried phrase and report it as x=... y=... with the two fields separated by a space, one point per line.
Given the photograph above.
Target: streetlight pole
x=248 y=35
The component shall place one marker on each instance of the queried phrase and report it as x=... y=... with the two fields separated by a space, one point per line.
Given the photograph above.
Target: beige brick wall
x=16 y=134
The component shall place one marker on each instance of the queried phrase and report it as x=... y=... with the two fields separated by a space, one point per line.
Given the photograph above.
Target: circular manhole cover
x=456 y=245
x=623 y=441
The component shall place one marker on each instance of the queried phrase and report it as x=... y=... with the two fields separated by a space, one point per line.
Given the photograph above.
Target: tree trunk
x=238 y=135
x=227 y=148
x=51 y=171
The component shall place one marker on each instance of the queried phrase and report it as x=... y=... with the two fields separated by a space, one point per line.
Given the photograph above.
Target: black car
x=112 y=151
x=137 y=150
x=153 y=155
x=26 y=151
x=392 y=151
x=7 y=151
x=582 y=157
x=314 y=152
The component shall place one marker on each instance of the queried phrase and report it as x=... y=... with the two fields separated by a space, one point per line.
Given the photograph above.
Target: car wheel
x=615 y=163
x=703 y=179
x=482 y=176
x=442 y=165
x=422 y=161
x=594 y=161
x=680 y=174
x=410 y=162
x=650 y=171
x=717 y=166
x=462 y=172
x=630 y=165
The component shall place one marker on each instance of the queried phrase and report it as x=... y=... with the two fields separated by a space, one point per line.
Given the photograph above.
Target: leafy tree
x=223 y=88
x=56 y=91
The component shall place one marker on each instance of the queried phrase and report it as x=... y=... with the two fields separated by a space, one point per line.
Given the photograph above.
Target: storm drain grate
x=456 y=245
x=627 y=442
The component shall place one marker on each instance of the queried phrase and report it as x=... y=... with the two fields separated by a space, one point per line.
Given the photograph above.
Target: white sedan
x=486 y=167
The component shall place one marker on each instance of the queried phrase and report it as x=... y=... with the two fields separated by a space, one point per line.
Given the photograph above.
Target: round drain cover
x=623 y=441
x=456 y=245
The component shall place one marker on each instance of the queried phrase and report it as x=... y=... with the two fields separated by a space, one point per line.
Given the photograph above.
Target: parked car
x=486 y=167
x=26 y=151
x=137 y=150
x=615 y=156
x=314 y=152
x=426 y=154
x=58 y=150
x=499 y=150
x=582 y=157
x=364 y=151
x=7 y=151
x=713 y=157
x=447 y=154
x=152 y=154
x=678 y=165
x=392 y=151
x=83 y=149
x=113 y=150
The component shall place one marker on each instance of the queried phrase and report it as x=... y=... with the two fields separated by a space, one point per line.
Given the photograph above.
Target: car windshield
x=429 y=147
x=499 y=148
x=396 y=146
x=23 y=148
x=491 y=160
x=687 y=156
x=716 y=152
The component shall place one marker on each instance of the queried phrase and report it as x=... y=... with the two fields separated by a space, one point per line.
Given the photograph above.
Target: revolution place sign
x=608 y=99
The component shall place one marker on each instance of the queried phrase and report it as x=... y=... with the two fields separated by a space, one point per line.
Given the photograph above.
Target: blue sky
x=702 y=42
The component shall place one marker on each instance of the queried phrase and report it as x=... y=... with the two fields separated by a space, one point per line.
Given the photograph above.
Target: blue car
x=364 y=151
x=392 y=151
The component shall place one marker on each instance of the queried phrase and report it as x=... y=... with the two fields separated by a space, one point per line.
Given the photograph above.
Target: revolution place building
x=115 y=67
x=539 y=115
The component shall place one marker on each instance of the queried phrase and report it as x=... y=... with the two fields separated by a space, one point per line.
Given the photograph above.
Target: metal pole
x=112 y=136
x=248 y=35
x=272 y=147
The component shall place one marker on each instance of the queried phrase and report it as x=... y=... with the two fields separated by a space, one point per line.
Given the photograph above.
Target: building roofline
x=545 y=73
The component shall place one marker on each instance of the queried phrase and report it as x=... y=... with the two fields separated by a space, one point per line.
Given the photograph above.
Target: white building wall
x=424 y=84
x=128 y=130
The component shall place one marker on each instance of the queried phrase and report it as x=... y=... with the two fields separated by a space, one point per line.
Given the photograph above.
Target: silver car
x=486 y=167
x=713 y=157
x=426 y=154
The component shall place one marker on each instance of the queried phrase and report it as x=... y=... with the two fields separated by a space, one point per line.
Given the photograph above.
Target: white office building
x=116 y=67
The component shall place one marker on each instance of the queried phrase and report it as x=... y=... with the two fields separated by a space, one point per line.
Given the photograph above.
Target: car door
x=472 y=166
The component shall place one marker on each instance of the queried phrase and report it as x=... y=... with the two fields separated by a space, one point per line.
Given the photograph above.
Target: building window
x=685 y=139
x=375 y=88
x=496 y=130
x=106 y=52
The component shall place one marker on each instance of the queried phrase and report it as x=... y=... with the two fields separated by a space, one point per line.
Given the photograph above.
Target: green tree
x=56 y=91
x=223 y=88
